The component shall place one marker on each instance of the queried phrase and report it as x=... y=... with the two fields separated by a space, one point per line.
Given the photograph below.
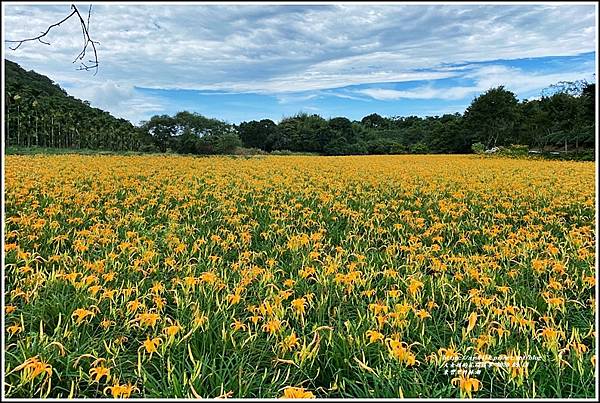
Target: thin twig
x=85 y=29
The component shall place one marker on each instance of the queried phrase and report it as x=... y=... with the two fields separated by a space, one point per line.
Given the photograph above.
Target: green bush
x=419 y=148
x=249 y=151
x=281 y=152
x=149 y=148
x=514 y=150
x=478 y=148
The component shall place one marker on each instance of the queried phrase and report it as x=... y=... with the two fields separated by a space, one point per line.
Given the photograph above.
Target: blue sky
x=244 y=62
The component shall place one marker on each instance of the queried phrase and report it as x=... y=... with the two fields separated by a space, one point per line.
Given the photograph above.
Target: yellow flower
x=32 y=367
x=151 y=345
x=515 y=366
x=299 y=306
x=296 y=393
x=467 y=384
x=10 y=309
x=208 y=277
x=237 y=325
x=147 y=319
x=402 y=309
x=99 y=372
x=108 y=294
x=255 y=319
x=134 y=305
x=589 y=280
x=171 y=331
x=422 y=314
x=272 y=326
x=401 y=352
x=307 y=272
x=121 y=391
x=233 y=299
x=81 y=314
x=157 y=287
x=394 y=293
x=106 y=323
x=448 y=353
x=16 y=328
x=179 y=248
x=550 y=334
x=503 y=289
x=290 y=342
x=369 y=293
x=414 y=286
x=374 y=336
x=159 y=302
x=555 y=301
x=553 y=250
x=200 y=319
x=377 y=308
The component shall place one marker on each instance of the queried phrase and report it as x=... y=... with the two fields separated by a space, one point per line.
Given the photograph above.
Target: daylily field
x=298 y=276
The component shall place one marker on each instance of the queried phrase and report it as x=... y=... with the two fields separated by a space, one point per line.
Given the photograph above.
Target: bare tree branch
x=87 y=40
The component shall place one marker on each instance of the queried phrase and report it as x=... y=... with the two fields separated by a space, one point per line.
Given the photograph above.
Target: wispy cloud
x=483 y=78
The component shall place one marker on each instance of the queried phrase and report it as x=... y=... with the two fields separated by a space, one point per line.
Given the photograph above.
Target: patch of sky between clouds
x=538 y=63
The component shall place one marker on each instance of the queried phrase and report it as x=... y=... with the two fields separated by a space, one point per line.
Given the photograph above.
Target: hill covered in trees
x=40 y=113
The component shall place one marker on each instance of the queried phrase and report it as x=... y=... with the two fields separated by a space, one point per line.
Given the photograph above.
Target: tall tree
x=491 y=117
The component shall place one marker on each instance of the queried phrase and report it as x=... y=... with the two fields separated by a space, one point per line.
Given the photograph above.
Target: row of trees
x=495 y=118
x=40 y=113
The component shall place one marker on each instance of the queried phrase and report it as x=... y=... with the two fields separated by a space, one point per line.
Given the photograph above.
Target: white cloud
x=290 y=48
x=122 y=100
x=296 y=48
x=427 y=92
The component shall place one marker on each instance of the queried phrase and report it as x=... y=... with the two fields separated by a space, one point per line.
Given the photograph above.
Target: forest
x=41 y=114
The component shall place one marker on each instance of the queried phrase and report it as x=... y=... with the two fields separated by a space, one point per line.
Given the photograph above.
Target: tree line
x=564 y=118
x=40 y=113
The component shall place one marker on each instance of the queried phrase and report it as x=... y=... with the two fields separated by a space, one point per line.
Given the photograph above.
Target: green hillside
x=40 y=113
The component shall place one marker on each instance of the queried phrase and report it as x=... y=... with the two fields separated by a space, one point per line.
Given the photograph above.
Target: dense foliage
x=189 y=133
x=495 y=118
x=40 y=113
x=369 y=277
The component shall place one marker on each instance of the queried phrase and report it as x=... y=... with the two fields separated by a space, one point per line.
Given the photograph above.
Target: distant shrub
x=281 y=152
x=358 y=148
x=249 y=151
x=398 y=148
x=478 y=148
x=149 y=148
x=419 y=148
x=288 y=152
x=514 y=150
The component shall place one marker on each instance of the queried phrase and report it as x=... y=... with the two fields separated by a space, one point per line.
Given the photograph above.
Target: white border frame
x=297 y=3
